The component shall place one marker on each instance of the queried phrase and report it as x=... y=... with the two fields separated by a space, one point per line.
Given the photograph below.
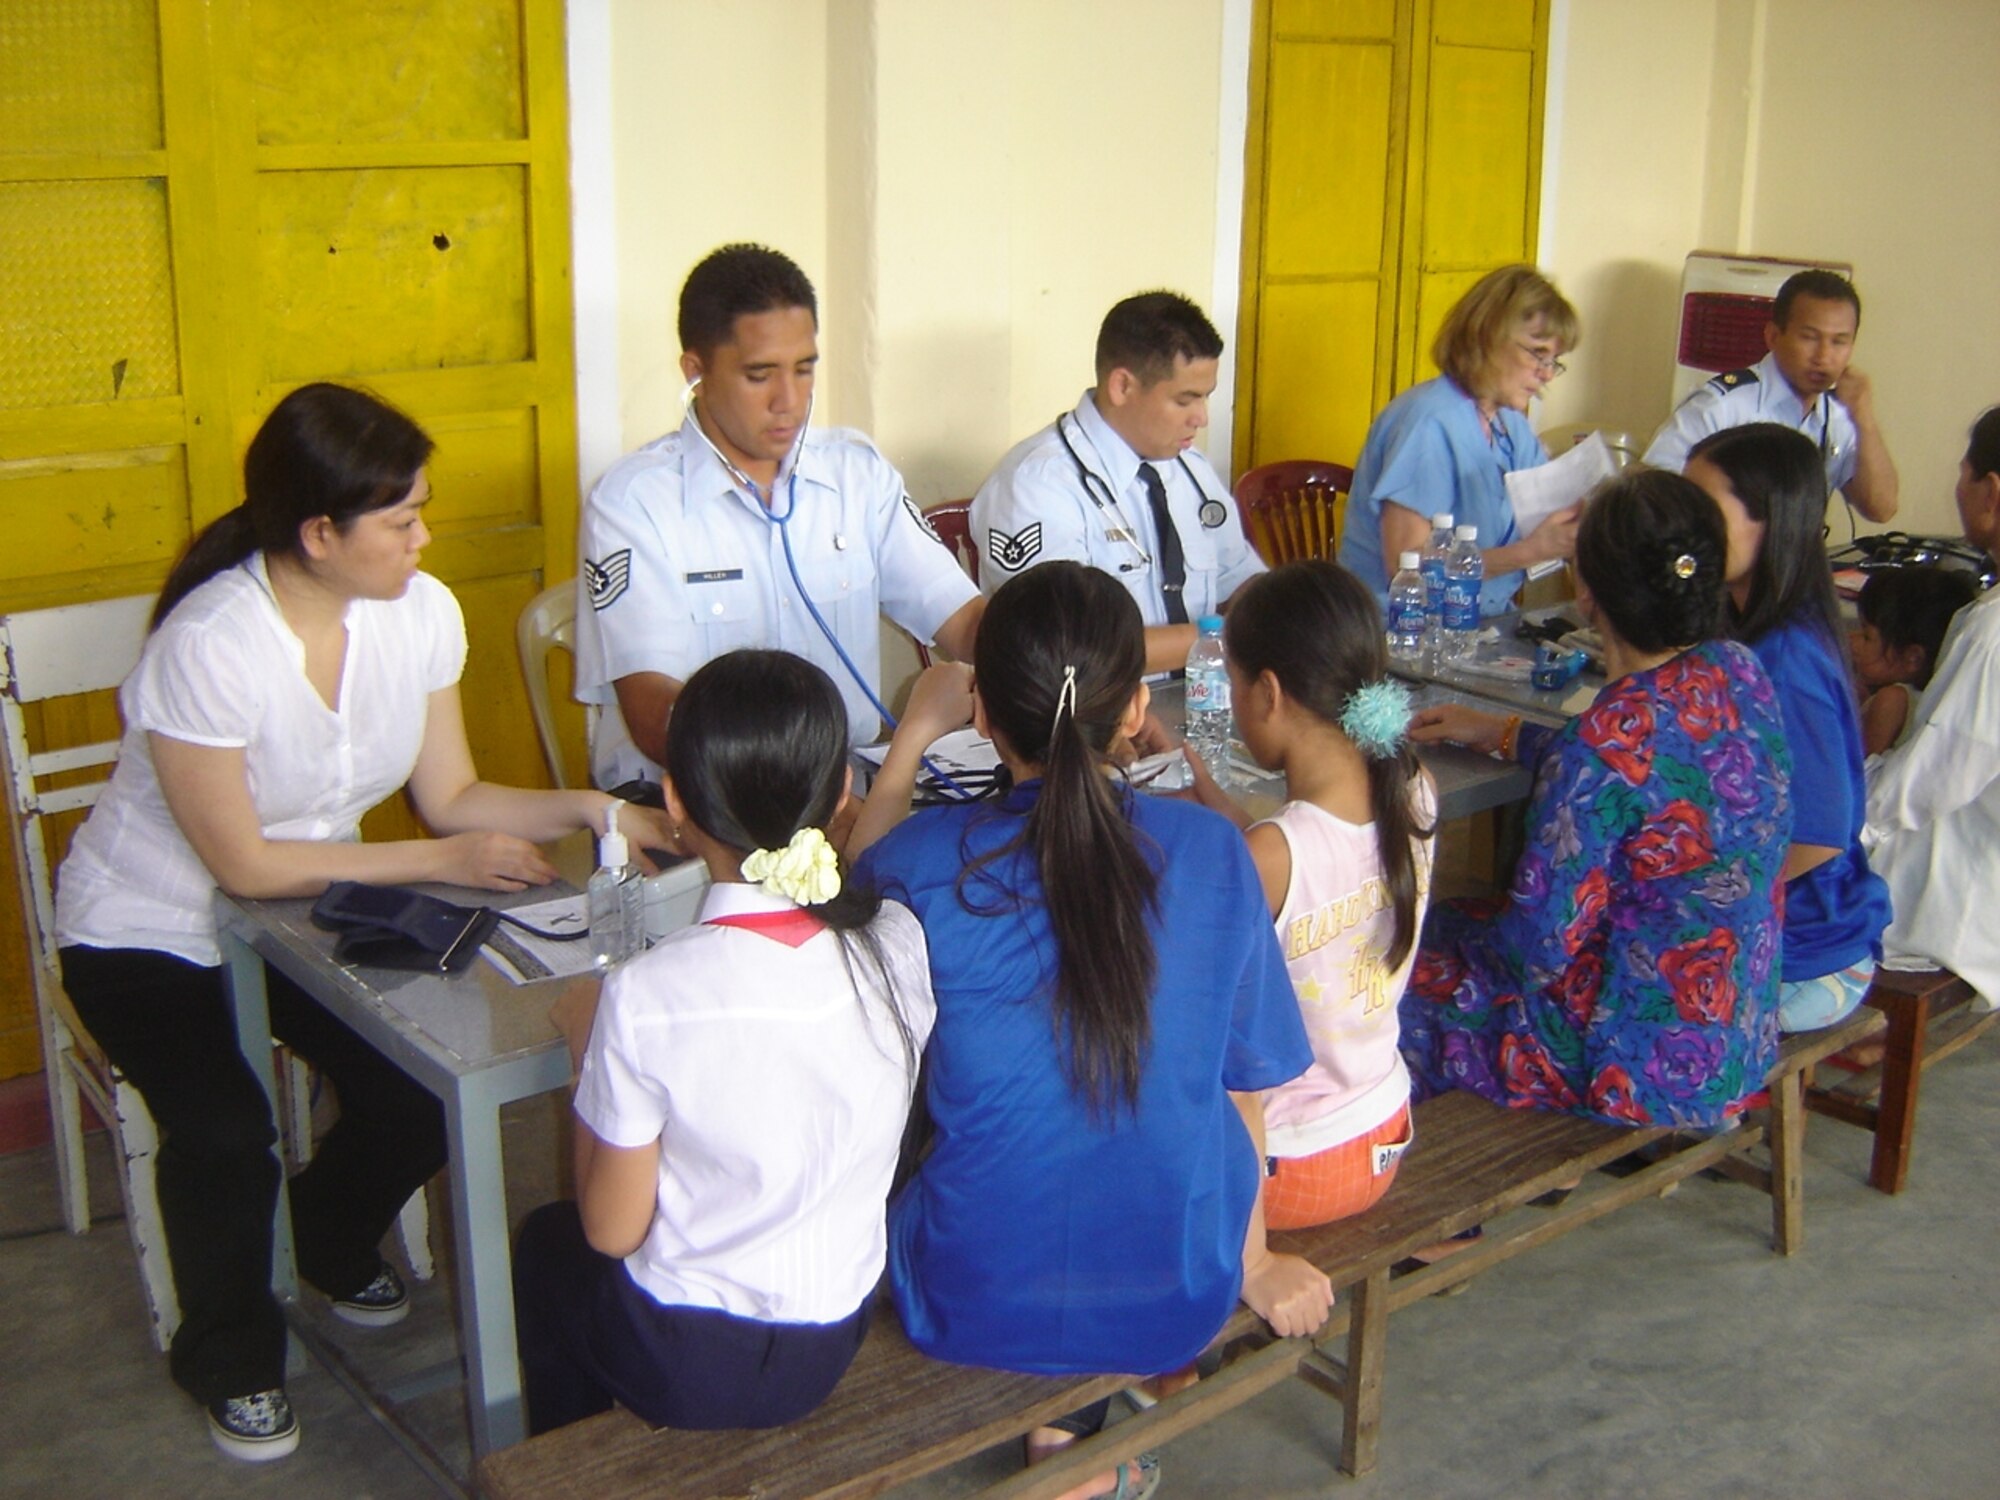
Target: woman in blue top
x=1106 y=976
x=1449 y=443
x=1771 y=486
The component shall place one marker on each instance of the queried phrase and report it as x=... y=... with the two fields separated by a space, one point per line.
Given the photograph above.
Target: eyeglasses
x=1548 y=364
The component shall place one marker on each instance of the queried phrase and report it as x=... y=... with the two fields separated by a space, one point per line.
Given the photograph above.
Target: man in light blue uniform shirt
x=1118 y=483
x=1804 y=382
x=683 y=554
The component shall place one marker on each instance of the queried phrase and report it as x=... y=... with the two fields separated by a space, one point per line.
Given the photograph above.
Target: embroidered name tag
x=715 y=575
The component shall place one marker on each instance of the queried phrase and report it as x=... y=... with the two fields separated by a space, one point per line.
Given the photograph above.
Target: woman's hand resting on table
x=1456 y=724
x=492 y=862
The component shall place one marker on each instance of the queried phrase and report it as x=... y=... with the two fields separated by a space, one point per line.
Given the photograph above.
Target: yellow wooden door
x=204 y=203
x=1392 y=160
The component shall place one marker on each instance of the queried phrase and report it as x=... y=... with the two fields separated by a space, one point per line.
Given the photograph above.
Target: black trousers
x=168 y=1026
x=589 y=1334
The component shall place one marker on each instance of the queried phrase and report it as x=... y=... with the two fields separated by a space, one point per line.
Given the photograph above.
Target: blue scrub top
x=1835 y=912
x=1035 y=1237
x=1427 y=452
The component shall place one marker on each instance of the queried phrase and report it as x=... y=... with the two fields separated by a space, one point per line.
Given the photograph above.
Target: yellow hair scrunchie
x=805 y=871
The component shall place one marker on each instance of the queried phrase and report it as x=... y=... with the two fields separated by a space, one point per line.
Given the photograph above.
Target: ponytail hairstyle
x=1060 y=654
x=1778 y=474
x=325 y=450
x=1652 y=551
x=1316 y=628
x=758 y=752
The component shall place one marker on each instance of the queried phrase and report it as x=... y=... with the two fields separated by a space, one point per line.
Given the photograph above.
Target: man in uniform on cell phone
x=746 y=528
x=1804 y=382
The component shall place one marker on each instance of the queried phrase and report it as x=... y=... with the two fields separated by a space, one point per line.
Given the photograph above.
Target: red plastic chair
x=1294 y=508
x=952 y=521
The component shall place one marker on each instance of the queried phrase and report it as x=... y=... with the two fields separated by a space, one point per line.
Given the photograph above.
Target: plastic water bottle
x=617 y=899
x=1432 y=567
x=1209 y=721
x=1464 y=572
x=1409 y=614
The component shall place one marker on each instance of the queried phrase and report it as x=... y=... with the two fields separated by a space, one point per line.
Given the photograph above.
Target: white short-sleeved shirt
x=1758 y=394
x=778 y=1096
x=226 y=671
x=680 y=566
x=1034 y=508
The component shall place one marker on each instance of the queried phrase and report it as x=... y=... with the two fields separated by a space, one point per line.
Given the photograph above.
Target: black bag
x=393 y=927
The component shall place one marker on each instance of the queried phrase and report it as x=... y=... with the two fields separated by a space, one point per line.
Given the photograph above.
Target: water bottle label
x=1461 y=604
x=1406 y=617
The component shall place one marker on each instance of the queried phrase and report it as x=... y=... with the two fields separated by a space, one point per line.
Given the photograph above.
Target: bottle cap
x=611 y=851
x=1441 y=520
x=1409 y=560
x=1209 y=625
x=1468 y=533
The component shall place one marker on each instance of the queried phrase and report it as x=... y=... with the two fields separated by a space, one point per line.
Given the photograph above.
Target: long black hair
x=325 y=450
x=759 y=752
x=1050 y=626
x=1316 y=628
x=1652 y=551
x=1779 y=476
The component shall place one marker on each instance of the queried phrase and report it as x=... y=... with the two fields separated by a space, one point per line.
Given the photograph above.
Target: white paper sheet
x=1538 y=493
x=524 y=958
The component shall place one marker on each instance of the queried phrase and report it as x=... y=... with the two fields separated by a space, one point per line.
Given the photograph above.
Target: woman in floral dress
x=1629 y=974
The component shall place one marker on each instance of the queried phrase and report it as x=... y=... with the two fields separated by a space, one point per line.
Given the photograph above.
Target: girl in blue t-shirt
x=1106 y=977
x=1770 y=484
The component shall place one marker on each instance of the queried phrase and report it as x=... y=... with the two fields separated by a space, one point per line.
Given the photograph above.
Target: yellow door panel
x=1323 y=205
x=1476 y=165
x=79 y=76
x=389 y=70
x=394 y=270
x=1436 y=292
x=93 y=510
x=1484 y=23
x=1333 y=18
x=86 y=293
x=483 y=472
x=1316 y=376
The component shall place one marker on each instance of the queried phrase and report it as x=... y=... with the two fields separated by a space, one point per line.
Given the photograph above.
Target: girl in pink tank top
x=1345 y=865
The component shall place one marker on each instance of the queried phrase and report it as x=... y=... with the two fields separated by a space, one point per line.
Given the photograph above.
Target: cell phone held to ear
x=393 y=927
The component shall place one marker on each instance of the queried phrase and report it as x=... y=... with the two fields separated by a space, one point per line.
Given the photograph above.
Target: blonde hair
x=1498 y=307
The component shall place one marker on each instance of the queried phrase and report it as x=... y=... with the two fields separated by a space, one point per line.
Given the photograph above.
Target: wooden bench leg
x=1367 y=1342
x=1788 y=1119
x=1902 y=1073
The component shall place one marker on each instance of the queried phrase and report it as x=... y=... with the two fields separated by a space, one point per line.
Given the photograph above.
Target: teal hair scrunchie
x=1376 y=717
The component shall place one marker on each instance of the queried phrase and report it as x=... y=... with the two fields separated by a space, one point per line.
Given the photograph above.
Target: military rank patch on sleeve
x=1014 y=553
x=922 y=520
x=609 y=579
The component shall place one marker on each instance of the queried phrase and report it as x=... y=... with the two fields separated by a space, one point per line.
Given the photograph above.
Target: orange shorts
x=1337 y=1183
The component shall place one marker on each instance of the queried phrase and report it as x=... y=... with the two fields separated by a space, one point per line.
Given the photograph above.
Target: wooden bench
x=1929 y=1018
x=898 y=1415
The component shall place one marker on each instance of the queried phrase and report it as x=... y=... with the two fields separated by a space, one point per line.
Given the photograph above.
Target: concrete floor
x=1661 y=1352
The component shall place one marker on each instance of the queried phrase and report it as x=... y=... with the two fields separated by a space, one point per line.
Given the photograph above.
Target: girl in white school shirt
x=299 y=671
x=741 y=1095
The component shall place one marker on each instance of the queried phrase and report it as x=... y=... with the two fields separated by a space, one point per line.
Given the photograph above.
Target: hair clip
x=1685 y=565
x=1376 y=716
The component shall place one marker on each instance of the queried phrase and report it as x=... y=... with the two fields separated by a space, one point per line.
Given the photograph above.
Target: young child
x=1345 y=866
x=1106 y=978
x=1770 y=484
x=1904 y=615
x=740 y=1096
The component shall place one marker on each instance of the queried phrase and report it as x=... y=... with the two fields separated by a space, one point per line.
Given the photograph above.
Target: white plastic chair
x=1625 y=448
x=548 y=624
x=60 y=653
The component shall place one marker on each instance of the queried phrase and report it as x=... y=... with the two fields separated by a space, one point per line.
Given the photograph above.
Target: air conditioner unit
x=1725 y=303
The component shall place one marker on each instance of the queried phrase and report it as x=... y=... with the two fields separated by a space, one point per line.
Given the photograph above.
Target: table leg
x=485 y=1267
x=253 y=1034
x=1902 y=1074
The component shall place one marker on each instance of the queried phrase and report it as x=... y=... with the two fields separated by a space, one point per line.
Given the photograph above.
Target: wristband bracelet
x=1510 y=736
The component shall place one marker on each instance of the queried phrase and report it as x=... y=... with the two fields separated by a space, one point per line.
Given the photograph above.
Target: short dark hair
x=1827 y=286
x=1148 y=333
x=1651 y=550
x=1914 y=606
x=734 y=281
x=1777 y=473
x=1982 y=446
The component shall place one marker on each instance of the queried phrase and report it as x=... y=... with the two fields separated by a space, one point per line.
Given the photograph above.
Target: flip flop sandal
x=1137 y=1479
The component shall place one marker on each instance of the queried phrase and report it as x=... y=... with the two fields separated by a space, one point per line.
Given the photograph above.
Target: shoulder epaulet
x=1731 y=380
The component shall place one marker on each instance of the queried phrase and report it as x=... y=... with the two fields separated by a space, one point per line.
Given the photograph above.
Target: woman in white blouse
x=300 y=670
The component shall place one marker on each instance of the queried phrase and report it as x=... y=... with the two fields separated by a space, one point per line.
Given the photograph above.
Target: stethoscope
x=766 y=507
x=1212 y=513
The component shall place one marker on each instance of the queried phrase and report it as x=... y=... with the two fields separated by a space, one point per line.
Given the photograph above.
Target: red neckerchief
x=793 y=928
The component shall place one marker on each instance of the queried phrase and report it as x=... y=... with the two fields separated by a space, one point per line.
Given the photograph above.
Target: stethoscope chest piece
x=1213 y=513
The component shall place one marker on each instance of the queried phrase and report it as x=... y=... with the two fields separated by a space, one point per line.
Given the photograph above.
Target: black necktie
x=1173 y=562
